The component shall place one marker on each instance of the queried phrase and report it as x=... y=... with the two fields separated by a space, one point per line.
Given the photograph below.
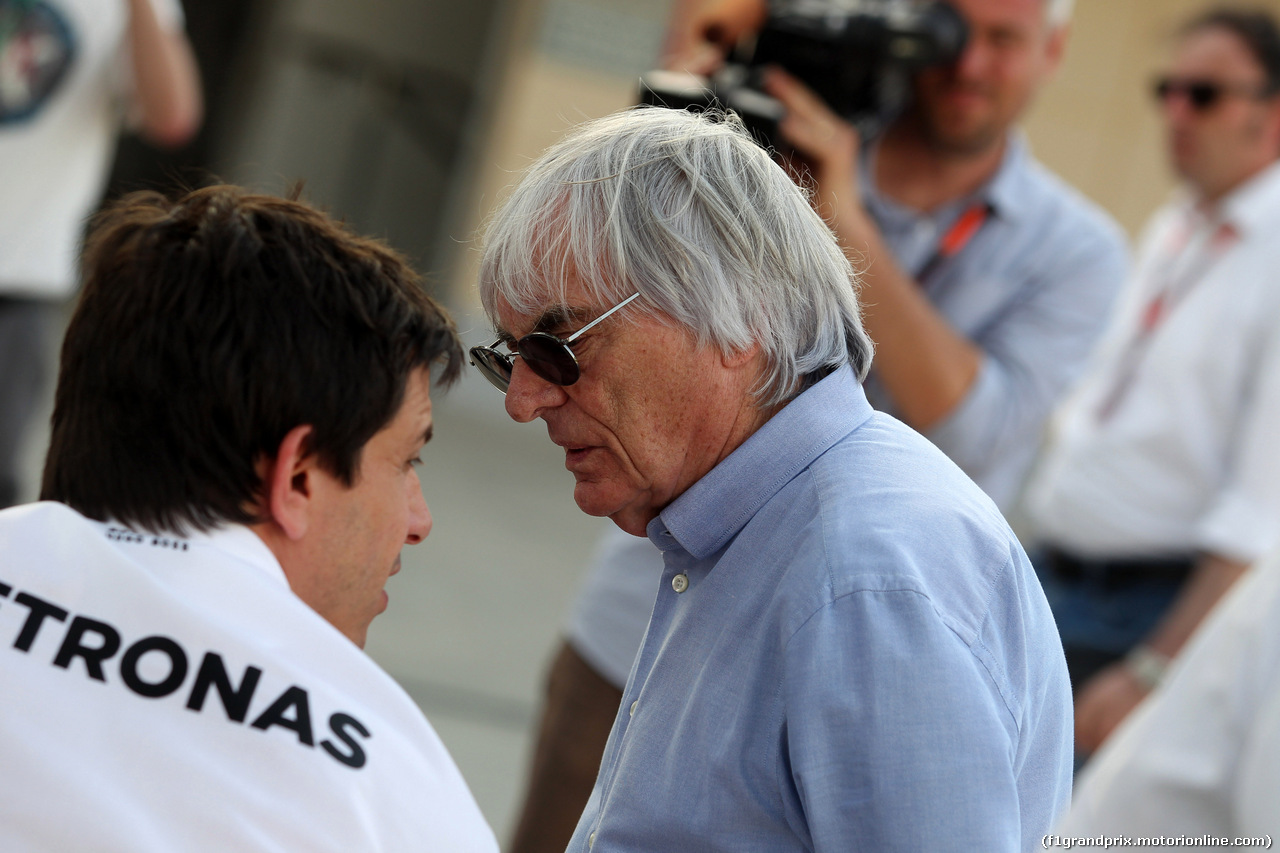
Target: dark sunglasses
x=1203 y=95
x=548 y=356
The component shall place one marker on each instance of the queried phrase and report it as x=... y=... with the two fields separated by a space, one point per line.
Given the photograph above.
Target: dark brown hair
x=210 y=326
x=1256 y=28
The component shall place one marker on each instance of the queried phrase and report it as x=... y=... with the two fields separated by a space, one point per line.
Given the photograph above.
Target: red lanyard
x=957 y=237
x=1161 y=306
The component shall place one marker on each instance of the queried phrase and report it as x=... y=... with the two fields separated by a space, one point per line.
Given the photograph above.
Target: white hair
x=690 y=212
x=1059 y=12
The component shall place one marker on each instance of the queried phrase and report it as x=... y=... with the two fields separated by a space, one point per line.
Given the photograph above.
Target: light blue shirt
x=1033 y=289
x=862 y=658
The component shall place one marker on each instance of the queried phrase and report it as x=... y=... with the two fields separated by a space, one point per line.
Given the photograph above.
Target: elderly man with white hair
x=849 y=645
x=986 y=281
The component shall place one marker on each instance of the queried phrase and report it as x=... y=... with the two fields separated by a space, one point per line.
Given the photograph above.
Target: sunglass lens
x=1202 y=95
x=493 y=365
x=550 y=358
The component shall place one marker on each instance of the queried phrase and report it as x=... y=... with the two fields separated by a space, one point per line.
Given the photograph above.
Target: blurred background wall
x=408 y=118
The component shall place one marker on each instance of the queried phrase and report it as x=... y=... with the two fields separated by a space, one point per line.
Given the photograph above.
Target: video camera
x=858 y=55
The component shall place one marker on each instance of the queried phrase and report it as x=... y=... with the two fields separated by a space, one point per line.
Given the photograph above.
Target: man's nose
x=529 y=394
x=972 y=61
x=419 y=515
x=1177 y=108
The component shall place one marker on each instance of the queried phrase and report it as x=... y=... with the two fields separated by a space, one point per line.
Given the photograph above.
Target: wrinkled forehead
x=554 y=316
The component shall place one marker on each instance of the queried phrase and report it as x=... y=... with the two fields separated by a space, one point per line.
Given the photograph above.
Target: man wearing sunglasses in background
x=986 y=282
x=1163 y=483
x=848 y=646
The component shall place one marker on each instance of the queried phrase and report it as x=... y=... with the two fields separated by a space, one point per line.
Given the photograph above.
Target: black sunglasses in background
x=548 y=356
x=1203 y=95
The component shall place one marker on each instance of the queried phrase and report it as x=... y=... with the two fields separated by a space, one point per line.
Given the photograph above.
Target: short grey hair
x=690 y=212
x=1059 y=12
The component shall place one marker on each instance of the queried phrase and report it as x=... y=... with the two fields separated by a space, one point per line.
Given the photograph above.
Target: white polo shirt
x=1169 y=445
x=166 y=693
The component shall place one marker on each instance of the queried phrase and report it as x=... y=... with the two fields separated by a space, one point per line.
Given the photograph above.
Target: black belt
x=1118 y=572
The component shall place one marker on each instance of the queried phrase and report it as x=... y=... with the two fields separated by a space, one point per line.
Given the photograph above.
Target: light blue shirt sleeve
x=927 y=714
x=1035 y=350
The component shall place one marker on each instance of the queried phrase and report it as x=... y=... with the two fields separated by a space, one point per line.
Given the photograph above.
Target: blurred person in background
x=985 y=280
x=1202 y=754
x=1162 y=482
x=245 y=390
x=848 y=642
x=71 y=71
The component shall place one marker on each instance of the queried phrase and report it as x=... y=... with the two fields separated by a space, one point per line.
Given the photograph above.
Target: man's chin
x=596 y=499
x=965 y=139
x=604 y=502
x=959 y=132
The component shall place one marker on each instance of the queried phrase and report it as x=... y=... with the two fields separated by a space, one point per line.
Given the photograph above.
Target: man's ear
x=290 y=482
x=1054 y=49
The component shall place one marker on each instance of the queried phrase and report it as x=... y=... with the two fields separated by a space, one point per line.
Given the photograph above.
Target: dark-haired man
x=244 y=392
x=1163 y=483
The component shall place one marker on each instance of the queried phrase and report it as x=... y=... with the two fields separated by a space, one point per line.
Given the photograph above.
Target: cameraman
x=985 y=282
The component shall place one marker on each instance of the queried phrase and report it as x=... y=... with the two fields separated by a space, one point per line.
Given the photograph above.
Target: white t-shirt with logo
x=167 y=693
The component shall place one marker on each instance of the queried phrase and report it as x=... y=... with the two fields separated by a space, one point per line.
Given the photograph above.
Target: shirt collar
x=240 y=542
x=1250 y=205
x=1004 y=192
x=712 y=511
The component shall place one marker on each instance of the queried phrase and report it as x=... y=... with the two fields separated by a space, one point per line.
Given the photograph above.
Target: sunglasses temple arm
x=602 y=317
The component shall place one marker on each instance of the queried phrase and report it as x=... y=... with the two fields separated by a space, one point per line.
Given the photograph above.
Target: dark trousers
x=24 y=329
x=576 y=719
x=1105 y=607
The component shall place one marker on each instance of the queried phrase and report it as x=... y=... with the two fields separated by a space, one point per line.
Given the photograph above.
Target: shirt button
x=680 y=582
x=591 y=841
x=632 y=712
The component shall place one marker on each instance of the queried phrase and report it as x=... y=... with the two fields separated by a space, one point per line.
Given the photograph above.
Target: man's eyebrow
x=551 y=318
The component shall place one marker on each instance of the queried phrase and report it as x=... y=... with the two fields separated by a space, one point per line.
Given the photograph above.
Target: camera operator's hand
x=827 y=145
x=701 y=33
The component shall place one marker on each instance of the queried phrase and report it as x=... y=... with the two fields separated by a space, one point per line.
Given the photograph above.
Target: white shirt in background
x=1169 y=445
